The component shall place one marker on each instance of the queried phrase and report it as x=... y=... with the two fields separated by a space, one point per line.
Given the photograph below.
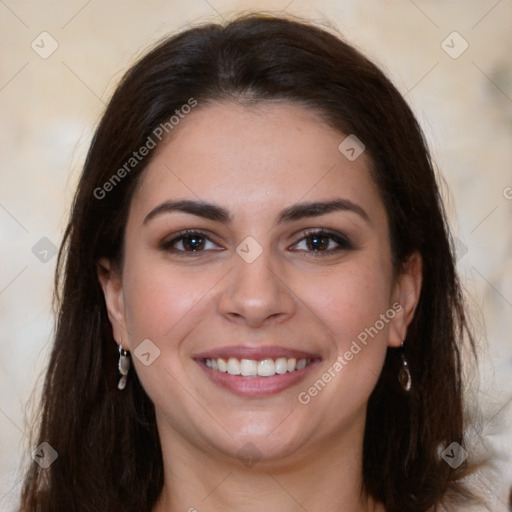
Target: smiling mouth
x=252 y=371
x=257 y=368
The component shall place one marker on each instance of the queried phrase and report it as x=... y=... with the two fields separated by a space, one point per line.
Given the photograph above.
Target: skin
x=256 y=161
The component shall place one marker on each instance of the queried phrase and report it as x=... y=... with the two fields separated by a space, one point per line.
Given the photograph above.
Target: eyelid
x=323 y=231
x=167 y=243
x=344 y=243
x=340 y=239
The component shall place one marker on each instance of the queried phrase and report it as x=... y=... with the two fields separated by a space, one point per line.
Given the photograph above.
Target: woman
x=258 y=304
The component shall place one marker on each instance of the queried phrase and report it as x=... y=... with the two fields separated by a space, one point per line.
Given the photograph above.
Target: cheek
x=161 y=301
x=162 y=304
x=350 y=301
x=353 y=306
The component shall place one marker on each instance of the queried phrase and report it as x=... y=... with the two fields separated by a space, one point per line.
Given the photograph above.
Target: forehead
x=267 y=155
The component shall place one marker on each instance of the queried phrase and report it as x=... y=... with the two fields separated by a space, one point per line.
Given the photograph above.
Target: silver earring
x=404 y=375
x=123 y=366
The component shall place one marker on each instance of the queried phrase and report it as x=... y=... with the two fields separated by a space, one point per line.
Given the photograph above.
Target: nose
x=256 y=294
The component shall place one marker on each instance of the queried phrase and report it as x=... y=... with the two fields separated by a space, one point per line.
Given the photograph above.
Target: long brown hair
x=109 y=455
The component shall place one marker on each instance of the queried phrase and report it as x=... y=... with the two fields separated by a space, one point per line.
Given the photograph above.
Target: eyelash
x=342 y=241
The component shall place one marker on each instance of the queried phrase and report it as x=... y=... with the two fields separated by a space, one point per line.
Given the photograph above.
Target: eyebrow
x=295 y=212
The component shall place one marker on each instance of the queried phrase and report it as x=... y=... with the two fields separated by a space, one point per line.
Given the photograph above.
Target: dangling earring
x=123 y=366
x=404 y=375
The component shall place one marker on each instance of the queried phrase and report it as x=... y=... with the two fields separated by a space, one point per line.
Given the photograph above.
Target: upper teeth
x=263 y=368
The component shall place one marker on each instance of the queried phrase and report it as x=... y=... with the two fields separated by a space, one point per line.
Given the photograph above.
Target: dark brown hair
x=109 y=451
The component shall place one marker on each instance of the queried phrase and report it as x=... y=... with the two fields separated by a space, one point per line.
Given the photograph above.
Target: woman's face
x=288 y=264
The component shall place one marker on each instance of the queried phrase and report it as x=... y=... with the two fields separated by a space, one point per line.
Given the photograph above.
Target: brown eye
x=189 y=242
x=321 y=241
x=317 y=242
x=193 y=242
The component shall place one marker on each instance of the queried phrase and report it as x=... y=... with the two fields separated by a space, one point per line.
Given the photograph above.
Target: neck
x=325 y=477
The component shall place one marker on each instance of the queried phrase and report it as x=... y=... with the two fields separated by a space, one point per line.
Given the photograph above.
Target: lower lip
x=255 y=386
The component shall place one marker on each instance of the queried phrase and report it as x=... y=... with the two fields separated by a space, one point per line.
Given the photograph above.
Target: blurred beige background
x=60 y=62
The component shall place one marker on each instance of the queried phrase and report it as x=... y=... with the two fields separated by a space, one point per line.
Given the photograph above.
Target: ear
x=404 y=298
x=111 y=284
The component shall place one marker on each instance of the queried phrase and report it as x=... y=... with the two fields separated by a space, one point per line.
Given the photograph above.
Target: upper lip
x=256 y=353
